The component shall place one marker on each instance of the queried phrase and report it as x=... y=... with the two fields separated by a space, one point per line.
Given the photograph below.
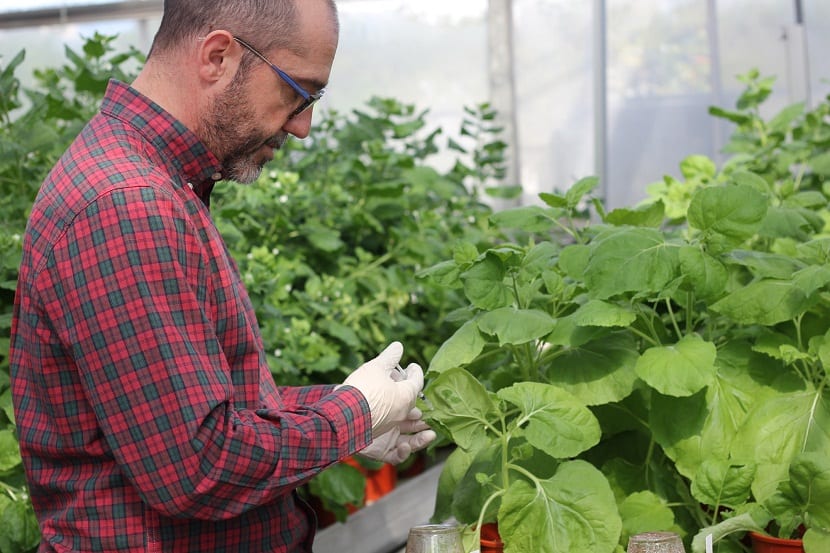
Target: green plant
x=671 y=358
x=35 y=128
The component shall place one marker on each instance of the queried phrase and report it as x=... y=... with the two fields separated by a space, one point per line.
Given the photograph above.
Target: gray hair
x=268 y=24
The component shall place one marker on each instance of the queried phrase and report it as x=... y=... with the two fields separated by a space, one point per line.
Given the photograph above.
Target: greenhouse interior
x=600 y=229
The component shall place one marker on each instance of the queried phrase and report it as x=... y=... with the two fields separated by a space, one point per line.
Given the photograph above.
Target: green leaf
x=526 y=218
x=698 y=167
x=753 y=180
x=6 y=402
x=820 y=164
x=734 y=116
x=484 y=283
x=704 y=274
x=630 y=259
x=786 y=117
x=455 y=467
x=650 y=215
x=733 y=213
x=599 y=372
x=681 y=369
x=459 y=349
x=703 y=426
x=771 y=301
x=719 y=483
x=338 y=486
x=557 y=423
x=516 y=326
x=572 y=511
x=765 y=265
x=645 y=512
x=554 y=200
x=752 y=518
x=579 y=189
x=504 y=192
x=791 y=222
x=777 y=430
x=324 y=238
x=481 y=480
x=20 y=531
x=539 y=260
x=574 y=260
x=464 y=408
x=9 y=451
x=445 y=274
x=602 y=313
x=807 y=492
x=816 y=541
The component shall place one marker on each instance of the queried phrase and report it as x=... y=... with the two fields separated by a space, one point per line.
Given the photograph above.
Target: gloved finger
x=414 y=414
x=420 y=440
x=397 y=374
x=399 y=454
x=411 y=427
x=389 y=358
x=407 y=445
x=415 y=375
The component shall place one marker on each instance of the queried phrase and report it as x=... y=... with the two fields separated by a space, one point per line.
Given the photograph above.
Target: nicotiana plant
x=663 y=368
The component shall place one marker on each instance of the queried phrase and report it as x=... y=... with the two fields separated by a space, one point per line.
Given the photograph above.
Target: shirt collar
x=185 y=155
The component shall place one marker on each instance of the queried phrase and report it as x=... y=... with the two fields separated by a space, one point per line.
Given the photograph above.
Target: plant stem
x=673 y=319
x=11 y=492
x=644 y=336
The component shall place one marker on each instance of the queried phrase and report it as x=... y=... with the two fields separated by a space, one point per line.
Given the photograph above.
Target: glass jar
x=434 y=538
x=655 y=542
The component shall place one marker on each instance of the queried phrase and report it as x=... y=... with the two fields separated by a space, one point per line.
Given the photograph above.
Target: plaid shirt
x=147 y=416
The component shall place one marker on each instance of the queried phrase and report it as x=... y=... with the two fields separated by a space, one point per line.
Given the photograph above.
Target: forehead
x=310 y=55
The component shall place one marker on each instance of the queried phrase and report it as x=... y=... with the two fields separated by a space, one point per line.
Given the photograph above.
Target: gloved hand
x=390 y=397
x=399 y=443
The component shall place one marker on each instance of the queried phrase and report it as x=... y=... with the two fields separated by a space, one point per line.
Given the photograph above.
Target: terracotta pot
x=762 y=543
x=490 y=539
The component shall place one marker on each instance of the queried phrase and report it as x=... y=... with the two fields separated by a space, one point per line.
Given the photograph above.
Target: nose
x=299 y=126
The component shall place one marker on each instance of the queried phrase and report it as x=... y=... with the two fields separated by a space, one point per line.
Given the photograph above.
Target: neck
x=156 y=81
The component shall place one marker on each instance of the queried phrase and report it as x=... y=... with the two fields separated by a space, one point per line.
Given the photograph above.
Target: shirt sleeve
x=138 y=300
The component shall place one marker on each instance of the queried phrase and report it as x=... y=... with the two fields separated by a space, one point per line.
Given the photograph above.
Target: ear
x=218 y=57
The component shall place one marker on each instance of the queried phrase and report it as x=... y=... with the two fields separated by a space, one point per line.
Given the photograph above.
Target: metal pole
x=601 y=97
x=502 y=80
x=716 y=79
x=800 y=22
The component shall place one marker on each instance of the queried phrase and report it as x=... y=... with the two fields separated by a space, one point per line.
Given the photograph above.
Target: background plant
x=693 y=327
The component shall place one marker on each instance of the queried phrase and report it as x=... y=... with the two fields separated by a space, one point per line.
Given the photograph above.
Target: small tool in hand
x=403 y=372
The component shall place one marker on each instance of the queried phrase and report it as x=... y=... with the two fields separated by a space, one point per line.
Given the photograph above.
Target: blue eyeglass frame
x=308 y=99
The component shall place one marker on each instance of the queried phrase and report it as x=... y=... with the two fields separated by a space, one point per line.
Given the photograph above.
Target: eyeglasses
x=308 y=99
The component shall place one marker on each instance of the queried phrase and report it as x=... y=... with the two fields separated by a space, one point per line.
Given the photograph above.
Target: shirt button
x=216 y=176
x=190 y=185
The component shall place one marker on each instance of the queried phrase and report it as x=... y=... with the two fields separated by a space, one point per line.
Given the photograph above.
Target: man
x=148 y=419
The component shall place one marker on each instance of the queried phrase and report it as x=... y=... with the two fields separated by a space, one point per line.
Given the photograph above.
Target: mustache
x=277 y=141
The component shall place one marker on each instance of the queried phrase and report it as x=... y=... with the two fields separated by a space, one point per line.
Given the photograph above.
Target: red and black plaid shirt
x=147 y=416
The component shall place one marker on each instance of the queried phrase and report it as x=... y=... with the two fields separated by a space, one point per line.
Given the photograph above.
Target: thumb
x=415 y=377
x=391 y=356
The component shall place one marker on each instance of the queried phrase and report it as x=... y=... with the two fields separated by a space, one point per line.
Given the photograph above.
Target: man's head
x=237 y=71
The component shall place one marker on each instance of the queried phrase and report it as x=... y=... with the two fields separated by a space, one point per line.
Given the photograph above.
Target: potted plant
x=693 y=328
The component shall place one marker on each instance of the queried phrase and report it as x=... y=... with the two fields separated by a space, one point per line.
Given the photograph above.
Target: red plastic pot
x=762 y=543
x=379 y=482
x=490 y=540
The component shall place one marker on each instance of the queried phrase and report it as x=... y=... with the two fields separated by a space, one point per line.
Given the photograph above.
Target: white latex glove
x=399 y=443
x=389 y=395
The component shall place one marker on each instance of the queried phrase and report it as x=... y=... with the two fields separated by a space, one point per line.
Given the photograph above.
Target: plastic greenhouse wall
x=666 y=62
